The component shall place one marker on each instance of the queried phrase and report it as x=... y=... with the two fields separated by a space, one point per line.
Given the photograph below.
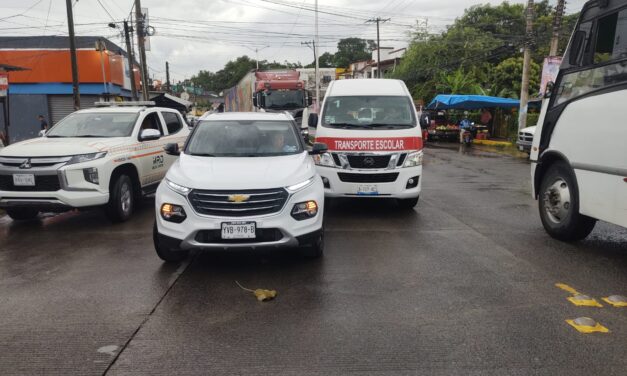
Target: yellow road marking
x=584 y=301
x=586 y=329
x=615 y=303
x=565 y=287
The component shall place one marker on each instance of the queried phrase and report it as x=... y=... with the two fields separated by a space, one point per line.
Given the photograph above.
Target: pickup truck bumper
x=52 y=201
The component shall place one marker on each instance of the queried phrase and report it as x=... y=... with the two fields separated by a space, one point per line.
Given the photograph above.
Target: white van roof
x=367 y=86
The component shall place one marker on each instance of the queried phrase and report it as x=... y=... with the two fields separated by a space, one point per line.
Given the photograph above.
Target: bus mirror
x=255 y=101
x=549 y=89
x=575 y=48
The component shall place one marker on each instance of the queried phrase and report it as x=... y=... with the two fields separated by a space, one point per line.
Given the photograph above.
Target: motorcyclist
x=465 y=125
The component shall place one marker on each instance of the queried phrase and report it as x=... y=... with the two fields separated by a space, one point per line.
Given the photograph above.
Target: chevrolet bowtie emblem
x=238 y=198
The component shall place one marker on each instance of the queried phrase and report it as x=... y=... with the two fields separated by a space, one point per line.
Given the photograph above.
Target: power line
x=105 y=9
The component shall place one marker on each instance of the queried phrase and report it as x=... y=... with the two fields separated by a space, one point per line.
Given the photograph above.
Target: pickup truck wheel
x=121 y=199
x=166 y=247
x=559 y=205
x=315 y=249
x=22 y=214
x=408 y=203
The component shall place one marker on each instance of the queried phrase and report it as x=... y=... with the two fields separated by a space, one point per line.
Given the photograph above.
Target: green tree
x=326 y=60
x=350 y=50
x=506 y=78
x=458 y=82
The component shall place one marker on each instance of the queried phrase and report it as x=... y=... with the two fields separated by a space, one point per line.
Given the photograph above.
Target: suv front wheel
x=22 y=214
x=167 y=248
x=559 y=205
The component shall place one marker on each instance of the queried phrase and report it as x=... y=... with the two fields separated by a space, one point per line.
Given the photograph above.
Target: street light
x=102 y=47
x=256 y=50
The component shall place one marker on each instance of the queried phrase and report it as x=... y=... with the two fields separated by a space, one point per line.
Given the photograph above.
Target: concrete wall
x=24 y=110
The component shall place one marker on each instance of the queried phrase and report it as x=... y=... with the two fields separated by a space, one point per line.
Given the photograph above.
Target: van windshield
x=368 y=112
x=233 y=138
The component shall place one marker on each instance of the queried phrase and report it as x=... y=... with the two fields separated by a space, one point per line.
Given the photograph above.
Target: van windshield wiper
x=350 y=125
x=392 y=125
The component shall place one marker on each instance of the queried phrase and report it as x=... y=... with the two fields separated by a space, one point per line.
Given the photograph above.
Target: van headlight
x=324 y=159
x=413 y=159
x=178 y=188
x=86 y=157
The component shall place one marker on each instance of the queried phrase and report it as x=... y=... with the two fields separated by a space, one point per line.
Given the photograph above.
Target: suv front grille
x=43 y=183
x=369 y=161
x=244 y=203
x=368 y=178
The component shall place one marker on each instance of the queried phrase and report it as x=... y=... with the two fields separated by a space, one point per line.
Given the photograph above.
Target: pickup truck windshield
x=95 y=125
x=284 y=99
x=368 y=112
x=218 y=138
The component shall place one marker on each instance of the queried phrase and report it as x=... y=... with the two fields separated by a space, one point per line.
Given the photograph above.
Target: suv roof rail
x=125 y=104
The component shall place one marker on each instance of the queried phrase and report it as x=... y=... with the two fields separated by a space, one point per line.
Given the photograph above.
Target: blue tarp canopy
x=470 y=102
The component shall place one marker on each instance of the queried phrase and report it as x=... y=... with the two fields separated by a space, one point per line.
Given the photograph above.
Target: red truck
x=269 y=91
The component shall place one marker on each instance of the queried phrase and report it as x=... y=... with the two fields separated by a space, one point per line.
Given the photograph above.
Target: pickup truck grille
x=524 y=136
x=43 y=183
x=243 y=203
x=368 y=178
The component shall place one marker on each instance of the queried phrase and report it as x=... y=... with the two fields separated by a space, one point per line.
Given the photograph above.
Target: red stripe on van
x=372 y=144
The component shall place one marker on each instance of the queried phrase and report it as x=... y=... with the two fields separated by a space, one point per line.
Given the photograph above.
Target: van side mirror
x=313 y=120
x=425 y=121
x=309 y=100
x=172 y=149
x=149 y=135
x=318 y=148
x=255 y=101
x=575 y=48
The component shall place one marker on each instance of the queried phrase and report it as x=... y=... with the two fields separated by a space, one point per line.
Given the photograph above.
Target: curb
x=492 y=143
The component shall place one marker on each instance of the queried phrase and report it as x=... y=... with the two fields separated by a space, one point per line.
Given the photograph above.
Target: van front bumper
x=372 y=183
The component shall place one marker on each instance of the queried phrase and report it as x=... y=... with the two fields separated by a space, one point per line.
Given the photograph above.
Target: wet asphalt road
x=463 y=285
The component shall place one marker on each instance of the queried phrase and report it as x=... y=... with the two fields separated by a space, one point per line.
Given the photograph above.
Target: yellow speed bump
x=584 y=301
x=587 y=325
x=567 y=288
x=616 y=300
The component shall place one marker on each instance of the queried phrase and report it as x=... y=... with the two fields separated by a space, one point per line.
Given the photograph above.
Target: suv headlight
x=299 y=186
x=86 y=157
x=178 y=188
x=324 y=159
x=413 y=159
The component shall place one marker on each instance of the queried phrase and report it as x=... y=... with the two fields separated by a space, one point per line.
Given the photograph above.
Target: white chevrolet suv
x=243 y=180
x=105 y=156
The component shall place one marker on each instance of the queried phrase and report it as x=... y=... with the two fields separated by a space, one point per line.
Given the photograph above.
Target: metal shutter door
x=63 y=105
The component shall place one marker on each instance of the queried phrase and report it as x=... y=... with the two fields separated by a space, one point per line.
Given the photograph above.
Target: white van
x=374 y=140
x=579 y=152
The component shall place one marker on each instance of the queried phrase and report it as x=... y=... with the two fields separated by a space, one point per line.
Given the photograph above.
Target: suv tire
x=166 y=248
x=315 y=249
x=121 y=199
x=558 y=203
x=408 y=203
x=22 y=214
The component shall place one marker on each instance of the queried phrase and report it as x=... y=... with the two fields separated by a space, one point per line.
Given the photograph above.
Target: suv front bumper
x=188 y=234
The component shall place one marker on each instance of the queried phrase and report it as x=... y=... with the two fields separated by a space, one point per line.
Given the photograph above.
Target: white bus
x=579 y=152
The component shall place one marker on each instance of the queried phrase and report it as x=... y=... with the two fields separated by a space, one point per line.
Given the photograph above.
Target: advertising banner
x=4 y=84
x=550 y=69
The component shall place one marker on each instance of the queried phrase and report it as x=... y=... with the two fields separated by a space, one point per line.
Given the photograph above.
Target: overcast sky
x=205 y=34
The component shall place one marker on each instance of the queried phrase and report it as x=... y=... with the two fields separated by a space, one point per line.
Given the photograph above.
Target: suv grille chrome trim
x=254 y=202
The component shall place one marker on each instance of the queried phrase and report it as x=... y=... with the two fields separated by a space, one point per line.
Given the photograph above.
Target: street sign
x=4 y=84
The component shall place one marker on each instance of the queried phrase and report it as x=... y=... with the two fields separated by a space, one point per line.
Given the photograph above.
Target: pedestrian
x=464 y=125
x=43 y=122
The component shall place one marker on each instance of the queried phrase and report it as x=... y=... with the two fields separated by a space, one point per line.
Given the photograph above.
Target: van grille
x=369 y=161
x=244 y=203
x=368 y=178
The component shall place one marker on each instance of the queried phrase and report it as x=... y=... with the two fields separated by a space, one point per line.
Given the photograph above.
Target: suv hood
x=59 y=147
x=241 y=173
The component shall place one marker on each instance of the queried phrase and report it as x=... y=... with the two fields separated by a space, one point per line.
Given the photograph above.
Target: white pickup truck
x=106 y=156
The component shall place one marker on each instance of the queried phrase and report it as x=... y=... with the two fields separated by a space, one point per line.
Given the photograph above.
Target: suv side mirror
x=149 y=135
x=575 y=47
x=313 y=120
x=172 y=148
x=319 y=148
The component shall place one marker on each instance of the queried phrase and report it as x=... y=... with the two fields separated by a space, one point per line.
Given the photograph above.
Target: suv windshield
x=368 y=112
x=97 y=124
x=284 y=99
x=218 y=138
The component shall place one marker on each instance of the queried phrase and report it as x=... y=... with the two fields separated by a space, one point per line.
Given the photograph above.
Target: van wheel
x=408 y=203
x=559 y=205
x=167 y=248
x=121 y=199
x=22 y=214
x=315 y=249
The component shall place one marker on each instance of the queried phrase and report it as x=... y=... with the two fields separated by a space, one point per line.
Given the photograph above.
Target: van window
x=611 y=38
x=172 y=122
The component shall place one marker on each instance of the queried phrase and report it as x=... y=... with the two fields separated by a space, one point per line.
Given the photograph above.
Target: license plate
x=521 y=148
x=238 y=230
x=368 y=190
x=24 y=180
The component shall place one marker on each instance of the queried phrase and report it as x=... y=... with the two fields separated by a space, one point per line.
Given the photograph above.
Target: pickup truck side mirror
x=313 y=120
x=172 y=149
x=319 y=148
x=149 y=135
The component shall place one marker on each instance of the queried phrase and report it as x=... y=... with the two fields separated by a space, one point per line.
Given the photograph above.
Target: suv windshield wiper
x=55 y=136
x=90 y=136
x=202 y=155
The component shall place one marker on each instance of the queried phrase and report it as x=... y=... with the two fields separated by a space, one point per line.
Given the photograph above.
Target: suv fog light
x=173 y=213
x=412 y=182
x=326 y=183
x=305 y=210
x=91 y=175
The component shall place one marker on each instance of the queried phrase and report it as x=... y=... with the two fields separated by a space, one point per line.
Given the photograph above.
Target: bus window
x=606 y=35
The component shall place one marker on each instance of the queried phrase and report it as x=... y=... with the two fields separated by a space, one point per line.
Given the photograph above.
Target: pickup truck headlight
x=178 y=188
x=86 y=157
x=413 y=159
x=324 y=159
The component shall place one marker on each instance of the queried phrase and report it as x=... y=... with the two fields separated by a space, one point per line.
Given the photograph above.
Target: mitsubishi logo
x=369 y=161
x=26 y=164
x=238 y=198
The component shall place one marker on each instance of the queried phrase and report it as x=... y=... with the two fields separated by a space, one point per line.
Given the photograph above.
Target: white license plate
x=23 y=180
x=368 y=190
x=238 y=230
x=521 y=148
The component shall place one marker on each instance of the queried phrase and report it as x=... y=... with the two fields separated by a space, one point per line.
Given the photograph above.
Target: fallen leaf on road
x=262 y=295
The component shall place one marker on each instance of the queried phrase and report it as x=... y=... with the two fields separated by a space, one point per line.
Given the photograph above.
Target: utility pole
x=378 y=20
x=139 y=19
x=167 y=77
x=524 y=87
x=76 y=94
x=315 y=48
x=131 y=59
x=557 y=25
